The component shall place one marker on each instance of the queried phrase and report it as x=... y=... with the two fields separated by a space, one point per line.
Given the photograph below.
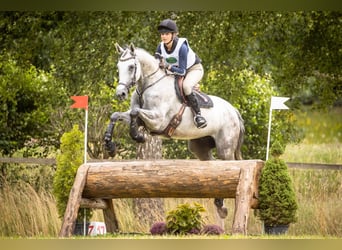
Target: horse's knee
x=114 y=117
x=134 y=112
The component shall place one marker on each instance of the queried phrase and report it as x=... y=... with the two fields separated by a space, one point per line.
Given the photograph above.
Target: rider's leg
x=193 y=76
x=199 y=120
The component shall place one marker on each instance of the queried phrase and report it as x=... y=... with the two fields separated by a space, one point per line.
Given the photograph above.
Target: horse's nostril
x=121 y=96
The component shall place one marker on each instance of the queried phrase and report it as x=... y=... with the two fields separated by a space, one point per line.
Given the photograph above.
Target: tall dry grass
x=319 y=194
x=24 y=212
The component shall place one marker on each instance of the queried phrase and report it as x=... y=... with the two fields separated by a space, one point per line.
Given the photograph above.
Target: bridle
x=133 y=82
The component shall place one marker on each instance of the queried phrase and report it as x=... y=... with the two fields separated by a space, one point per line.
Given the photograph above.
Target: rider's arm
x=157 y=54
x=183 y=60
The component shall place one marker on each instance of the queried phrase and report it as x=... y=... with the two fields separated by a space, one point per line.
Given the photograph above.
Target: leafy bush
x=159 y=228
x=68 y=160
x=185 y=218
x=212 y=229
x=277 y=201
x=26 y=104
x=251 y=94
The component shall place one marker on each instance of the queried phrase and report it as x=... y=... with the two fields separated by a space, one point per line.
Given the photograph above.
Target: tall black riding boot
x=199 y=120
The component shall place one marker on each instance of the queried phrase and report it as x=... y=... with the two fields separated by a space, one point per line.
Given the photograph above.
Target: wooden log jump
x=97 y=183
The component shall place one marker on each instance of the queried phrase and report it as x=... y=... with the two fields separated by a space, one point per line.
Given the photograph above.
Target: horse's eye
x=131 y=68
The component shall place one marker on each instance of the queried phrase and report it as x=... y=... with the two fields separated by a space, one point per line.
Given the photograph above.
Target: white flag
x=278 y=102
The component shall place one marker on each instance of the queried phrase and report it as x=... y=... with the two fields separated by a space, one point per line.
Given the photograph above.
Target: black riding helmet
x=167 y=25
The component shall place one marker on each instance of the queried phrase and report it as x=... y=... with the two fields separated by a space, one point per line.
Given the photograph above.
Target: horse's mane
x=144 y=56
x=142 y=53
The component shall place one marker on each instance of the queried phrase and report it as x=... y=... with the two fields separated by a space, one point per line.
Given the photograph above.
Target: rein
x=141 y=92
x=176 y=119
x=133 y=82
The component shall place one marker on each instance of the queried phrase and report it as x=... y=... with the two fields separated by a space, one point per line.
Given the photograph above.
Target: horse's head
x=129 y=70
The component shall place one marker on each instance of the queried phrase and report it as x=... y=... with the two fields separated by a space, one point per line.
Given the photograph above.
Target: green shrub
x=185 y=218
x=69 y=159
x=277 y=201
x=251 y=94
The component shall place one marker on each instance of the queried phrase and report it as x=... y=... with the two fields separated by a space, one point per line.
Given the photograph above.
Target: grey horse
x=154 y=104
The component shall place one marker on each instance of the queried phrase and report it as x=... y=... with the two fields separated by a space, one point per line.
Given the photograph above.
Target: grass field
x=323 y=138
x=29 y=212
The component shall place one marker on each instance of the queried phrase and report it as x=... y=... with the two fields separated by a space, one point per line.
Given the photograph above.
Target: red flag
x=80 y=102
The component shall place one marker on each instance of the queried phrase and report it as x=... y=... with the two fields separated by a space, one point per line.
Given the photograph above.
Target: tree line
x=46 y=57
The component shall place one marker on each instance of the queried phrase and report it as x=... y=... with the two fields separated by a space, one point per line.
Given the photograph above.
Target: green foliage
x=185 y=218
x=176 y=149
x=321 y=126
x=277 y=149
x=25 y=104
x=251 y=93
x=294 y=52
x=277 y=200
x=68 y=161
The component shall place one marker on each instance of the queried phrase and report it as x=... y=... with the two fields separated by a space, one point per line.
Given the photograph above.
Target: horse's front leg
x=117 y=116
x=134 y=132
x=153 y=119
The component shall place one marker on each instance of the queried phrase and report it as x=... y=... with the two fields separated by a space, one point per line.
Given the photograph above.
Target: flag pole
x=82 y=102
x=269 y=132
x=276 y=103
x=85 y=135
x=85 y=161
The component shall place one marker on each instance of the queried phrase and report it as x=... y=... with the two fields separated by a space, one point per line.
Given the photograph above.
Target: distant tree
x=299 y=51
x=26 y=104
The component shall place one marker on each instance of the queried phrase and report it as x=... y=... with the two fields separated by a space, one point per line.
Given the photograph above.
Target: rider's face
x=166 y=37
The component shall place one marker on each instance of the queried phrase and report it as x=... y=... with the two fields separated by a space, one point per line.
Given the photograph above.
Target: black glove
x=157 y=55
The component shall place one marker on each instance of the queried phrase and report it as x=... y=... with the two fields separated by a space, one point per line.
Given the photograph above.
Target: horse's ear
x=132 y=48
x=118 y=48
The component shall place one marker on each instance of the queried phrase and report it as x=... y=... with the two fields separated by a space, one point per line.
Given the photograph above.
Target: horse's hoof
x=140 y=139
x=218 y=202
x=222 y=212
x=111 y=148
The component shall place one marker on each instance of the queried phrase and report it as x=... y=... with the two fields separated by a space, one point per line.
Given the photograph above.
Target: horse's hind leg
x=202 y=148
x=225 y=151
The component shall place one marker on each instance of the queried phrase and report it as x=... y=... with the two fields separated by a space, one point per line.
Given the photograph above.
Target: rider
x=181 y=60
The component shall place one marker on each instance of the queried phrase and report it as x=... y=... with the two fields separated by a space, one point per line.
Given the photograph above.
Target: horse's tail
x=237 y=153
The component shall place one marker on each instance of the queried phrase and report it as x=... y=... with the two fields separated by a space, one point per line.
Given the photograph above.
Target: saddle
x=204 y=101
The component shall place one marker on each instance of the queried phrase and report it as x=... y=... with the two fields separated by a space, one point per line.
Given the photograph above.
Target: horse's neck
x=154 y=81
x=148 y=63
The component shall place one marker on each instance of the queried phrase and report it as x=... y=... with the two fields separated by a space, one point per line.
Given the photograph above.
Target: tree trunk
x=149 y=210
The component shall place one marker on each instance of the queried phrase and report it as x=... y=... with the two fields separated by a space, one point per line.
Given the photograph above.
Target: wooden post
x=74 y=201
x=110 y=219
x=246 y=194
